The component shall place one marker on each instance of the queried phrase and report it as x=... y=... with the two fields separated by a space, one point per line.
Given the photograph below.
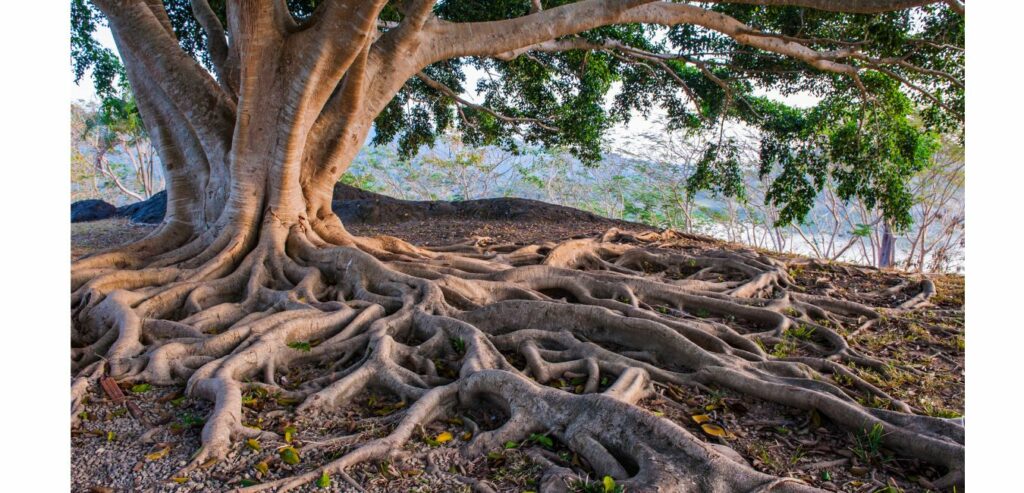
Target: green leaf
x=511 y=444
x=289 y=434
x=546 y=441
x=253 y=444
x=248 y=482
x=140 y=388
x=303 y=346
x=324 y=481
x=289 y=455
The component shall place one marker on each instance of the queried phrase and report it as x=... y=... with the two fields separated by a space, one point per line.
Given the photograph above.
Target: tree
x=257 y=107
x=117 y=127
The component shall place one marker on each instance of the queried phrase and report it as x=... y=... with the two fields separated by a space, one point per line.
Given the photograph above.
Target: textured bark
x=251 y=258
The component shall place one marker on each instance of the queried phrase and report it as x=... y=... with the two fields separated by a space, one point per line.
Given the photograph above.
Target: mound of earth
x=353 y=205
x=141 y=448
x=149 y=211
x=359 y=207
x=91 y=210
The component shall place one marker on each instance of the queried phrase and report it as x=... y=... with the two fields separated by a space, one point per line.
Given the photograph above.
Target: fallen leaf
x=444 y=437
x=324 y=481
x=159 y=454
x=700 y=418
x=715 y=430
x=113 y=391
x=289 y=455
x=180 y=479
x=262 y=467
x=609 y=484
x=140 y=388
x=253 y=444
x=288 y=434
x=543 y=440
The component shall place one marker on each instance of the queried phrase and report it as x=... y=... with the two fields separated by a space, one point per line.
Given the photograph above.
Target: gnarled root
x=630 y=311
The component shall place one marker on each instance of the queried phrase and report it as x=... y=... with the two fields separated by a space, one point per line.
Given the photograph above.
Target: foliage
x=112 y=150
x=861 y=135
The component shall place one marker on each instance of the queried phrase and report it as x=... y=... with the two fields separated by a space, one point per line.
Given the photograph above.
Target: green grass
x=802 y=332
x=868 y=444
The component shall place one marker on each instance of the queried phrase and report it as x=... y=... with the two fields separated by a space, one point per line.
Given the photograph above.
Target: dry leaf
x=159 y=454
x=112 y=390
x=715 y=430
x=700 y=418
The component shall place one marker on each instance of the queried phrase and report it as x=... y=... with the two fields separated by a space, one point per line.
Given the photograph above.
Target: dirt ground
x=114 y=450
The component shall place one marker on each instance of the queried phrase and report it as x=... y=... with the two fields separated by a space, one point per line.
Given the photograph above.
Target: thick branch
x=846 y=6
x=217 y=41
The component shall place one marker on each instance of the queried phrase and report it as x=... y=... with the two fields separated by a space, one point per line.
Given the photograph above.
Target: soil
x=113 y=450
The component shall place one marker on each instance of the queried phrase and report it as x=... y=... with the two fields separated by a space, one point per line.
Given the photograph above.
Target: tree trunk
x=887 y=249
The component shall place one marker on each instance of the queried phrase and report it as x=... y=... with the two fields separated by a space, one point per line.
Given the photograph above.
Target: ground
x=117 y=450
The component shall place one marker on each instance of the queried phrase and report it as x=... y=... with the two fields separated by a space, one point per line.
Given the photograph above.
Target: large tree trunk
x=250 y=258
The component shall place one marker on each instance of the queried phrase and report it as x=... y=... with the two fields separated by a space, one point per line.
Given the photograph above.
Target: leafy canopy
x=869 y=133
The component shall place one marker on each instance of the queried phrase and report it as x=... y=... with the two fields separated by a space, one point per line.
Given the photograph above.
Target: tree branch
x=845 y=6
x=218 y=45
x=447 y=91
x=144 y=42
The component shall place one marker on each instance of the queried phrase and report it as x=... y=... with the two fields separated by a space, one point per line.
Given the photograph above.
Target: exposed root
x=622 y=313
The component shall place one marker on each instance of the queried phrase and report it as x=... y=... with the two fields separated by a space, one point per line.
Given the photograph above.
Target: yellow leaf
x=159 y=454
x=466 y=436
x=289 y=455
x=700 y=418
x=658 y=413
x=443 y=437
x=180 y=479
x=253 y=444
x=609 y=484
x=715 y=430
x=262 y=467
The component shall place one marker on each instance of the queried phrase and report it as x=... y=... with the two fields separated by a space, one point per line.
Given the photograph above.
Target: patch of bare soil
x=114 y=450
x=89 y=237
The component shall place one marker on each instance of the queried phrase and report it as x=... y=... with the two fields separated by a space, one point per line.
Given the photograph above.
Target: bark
x=250 y=258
